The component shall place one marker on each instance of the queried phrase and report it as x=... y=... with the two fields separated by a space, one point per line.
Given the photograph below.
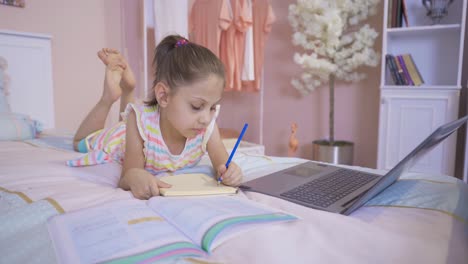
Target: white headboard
x=30 y=69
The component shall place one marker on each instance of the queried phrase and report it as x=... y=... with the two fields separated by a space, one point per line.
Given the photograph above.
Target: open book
x=194 y=184
x=130 y=231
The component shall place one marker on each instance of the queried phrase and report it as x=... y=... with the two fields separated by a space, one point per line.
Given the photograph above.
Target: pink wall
x=79 y=29
x=132 y=38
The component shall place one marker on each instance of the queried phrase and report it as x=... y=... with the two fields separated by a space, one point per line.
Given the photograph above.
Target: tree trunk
x=331 y=120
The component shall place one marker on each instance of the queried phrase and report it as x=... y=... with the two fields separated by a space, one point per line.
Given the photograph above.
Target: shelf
x=423 y=87
x=408 y=113
x=422 y=29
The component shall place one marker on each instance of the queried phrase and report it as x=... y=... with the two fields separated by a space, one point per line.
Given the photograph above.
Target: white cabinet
x=407 y=117
x=408 y=114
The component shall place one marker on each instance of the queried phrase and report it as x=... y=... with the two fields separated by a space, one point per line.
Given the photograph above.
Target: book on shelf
x=131 y=231
x=403 y=70
x=404 y=13
x=395 y=70
x=412 y=69
x=392 y=69
x=395 y=8
x=400 y=73
x=389 y=14
x=194 y=184
x=406 y=74
x=397 y=13
x=416 y=68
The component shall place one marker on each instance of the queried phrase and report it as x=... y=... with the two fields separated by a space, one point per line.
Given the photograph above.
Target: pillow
x=16 y=126
x=4 y=106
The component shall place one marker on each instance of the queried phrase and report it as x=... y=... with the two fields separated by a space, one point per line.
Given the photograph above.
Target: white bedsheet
x=370 y=235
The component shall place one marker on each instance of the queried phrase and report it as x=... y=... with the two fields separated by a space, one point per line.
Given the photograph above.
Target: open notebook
x=136 y=231
x=194 y=184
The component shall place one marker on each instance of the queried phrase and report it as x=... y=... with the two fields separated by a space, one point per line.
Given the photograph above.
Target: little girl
x=172 y=130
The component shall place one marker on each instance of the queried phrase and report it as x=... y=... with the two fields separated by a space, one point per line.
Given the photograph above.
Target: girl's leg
x=95 y=120
x=127 y=83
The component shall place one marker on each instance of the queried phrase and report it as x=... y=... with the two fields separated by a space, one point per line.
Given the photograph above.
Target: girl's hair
x=179 y=62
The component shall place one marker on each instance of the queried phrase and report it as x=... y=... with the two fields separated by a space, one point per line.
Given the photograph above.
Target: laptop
x=340 y=190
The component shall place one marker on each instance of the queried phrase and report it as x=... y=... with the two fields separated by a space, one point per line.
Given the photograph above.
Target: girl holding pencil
x=171 y=131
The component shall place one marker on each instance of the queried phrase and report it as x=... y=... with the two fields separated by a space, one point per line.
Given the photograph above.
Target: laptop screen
x=406 y=163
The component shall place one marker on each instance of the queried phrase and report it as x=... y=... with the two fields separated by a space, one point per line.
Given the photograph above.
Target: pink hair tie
x=181 y=42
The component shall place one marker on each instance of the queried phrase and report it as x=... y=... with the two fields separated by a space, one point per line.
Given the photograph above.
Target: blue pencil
x=220 y=179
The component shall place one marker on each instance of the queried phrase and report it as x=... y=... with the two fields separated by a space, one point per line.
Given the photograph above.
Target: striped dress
x=108 y=145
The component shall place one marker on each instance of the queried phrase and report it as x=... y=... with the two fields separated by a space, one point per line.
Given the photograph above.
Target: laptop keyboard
x=325 y=191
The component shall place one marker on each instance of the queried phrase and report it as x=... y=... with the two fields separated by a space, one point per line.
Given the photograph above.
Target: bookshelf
x=410 y=113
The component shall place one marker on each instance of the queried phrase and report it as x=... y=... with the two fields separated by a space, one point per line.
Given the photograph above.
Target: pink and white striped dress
x=108 y=145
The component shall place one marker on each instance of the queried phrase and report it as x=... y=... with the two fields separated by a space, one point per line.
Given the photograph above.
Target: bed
x=35 y=184
x=429 y=225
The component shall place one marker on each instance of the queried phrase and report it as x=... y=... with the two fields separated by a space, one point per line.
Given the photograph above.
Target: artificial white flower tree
x=335 y=44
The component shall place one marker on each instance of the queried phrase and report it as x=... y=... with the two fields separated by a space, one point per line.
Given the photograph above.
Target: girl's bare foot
x=127 y=82
x=113 y=77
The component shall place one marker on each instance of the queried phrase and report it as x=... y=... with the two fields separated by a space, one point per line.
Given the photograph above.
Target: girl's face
x=192 y=107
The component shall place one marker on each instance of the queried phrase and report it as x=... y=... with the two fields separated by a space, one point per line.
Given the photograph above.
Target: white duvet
x=370 y=235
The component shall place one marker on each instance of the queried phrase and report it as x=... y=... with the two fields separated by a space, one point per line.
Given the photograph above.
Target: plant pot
x=341 y=152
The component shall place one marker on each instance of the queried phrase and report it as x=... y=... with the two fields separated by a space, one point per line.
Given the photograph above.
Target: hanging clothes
x=263 y=20
x=173 y=22
x=232 y=44
x=206 y=21
x=248 y=69
x=242 y=23
x=226 y=48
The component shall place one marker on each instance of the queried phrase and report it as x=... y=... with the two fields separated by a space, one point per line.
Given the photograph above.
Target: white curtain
x=170 y=17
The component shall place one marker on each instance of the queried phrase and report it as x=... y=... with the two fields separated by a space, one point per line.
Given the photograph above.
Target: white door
x=407 y=117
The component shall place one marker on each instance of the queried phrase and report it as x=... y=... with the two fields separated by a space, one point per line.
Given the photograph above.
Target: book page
x=194 y=184
x=109 y=231
x=201 y=218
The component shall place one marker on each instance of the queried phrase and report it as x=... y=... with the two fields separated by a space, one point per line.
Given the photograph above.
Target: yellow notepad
x=193 y=184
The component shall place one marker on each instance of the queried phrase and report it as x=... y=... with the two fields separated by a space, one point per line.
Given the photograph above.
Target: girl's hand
x=142 y=184
x=232 y=176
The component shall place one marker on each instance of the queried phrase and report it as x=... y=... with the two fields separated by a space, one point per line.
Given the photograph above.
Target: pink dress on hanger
x=207 y=19
x=233 y=43
x=263 y=18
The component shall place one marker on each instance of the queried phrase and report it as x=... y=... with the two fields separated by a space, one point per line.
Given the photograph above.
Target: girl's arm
x=216 y=149
x=218 y=155
x=134 y=177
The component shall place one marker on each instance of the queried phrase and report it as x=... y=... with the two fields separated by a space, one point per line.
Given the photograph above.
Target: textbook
x=194 y=184
x=162 y=228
